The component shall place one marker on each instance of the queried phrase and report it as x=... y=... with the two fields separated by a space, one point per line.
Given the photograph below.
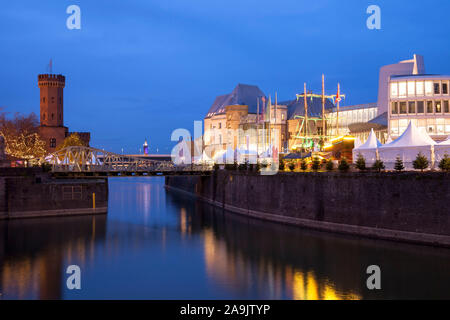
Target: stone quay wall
x=412 y=207
x=30 y=192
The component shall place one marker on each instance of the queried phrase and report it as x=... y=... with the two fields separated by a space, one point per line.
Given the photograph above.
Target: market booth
x=407 y=147
x=368 y=149
x=441 y=149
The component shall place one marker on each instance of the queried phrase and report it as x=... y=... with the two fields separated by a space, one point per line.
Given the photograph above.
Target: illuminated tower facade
x=145 y=147
x=52 y=129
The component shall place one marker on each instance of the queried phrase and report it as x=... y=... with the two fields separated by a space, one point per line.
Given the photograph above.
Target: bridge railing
x=86 y=159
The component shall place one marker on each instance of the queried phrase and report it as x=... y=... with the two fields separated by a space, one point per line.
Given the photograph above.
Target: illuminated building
x=52 y=129
x=422 y=100
x=247 y=120
x=145 y=147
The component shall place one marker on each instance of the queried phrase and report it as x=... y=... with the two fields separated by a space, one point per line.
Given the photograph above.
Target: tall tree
x=21 y=136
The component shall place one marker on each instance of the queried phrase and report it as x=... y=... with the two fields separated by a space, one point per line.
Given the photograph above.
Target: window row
x=419 y=88
x=433 y=126
x=420 y=107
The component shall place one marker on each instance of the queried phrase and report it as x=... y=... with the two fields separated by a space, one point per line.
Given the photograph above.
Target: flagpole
x=306 y=111
x=337 y=105
x=323 y=107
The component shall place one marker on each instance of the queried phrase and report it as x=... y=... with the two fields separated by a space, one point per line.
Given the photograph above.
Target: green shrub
x=379 y=165
x=316 y=164
x=343 y=165
x=292 y=166
x=329 y=165
x=421 y=162
x=444 y=164
x=303 y=165
x=399 y=164
x=281 y=166
x=360 y=162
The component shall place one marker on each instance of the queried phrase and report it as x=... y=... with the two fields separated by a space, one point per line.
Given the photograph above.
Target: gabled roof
x=242 y=94
x=412 y=137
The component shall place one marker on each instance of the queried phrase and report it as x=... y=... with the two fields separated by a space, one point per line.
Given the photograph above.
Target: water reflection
x=155 y=244
x=34 y=253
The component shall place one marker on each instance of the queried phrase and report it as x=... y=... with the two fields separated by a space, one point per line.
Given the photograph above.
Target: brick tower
x=52 y=129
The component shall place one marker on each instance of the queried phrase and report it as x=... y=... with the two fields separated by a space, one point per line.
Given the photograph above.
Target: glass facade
x=424 y=101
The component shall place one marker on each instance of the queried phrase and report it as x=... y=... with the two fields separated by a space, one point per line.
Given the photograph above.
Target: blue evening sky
x=140 y=68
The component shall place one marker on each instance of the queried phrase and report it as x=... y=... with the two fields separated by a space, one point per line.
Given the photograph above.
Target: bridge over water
x=86 y=161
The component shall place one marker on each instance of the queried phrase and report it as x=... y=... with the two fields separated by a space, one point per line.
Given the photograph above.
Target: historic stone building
x=248 y=121
x=52 y=129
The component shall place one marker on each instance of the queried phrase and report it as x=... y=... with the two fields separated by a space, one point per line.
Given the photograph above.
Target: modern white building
x=420 y=99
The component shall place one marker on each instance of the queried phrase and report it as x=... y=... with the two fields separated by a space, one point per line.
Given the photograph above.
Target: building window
x=394 y=127
x=394 y=108
x=53 y=99
x=437 y=106
x=53 y=116
x=429 y=106
x=420 y=107
x=444 y=88
x=446 y=108
x=402 y=89
x=437 y=88
x=428 y=88
x=411 y=107
x=403 y=107
x=43 y=116
x=220 y=125
x=282 y=117
x=411 y=88
x=43 y=99
x=419 y=88
x=394 y=89
x=52 y=143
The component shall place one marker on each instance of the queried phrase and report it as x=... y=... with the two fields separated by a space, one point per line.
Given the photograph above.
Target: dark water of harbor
x=156 y=244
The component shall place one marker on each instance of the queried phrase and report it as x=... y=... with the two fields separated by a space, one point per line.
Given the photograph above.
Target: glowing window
x=411 y=88
x=402 y=89
x=394 y=89
x=429 y=88
x=419 y=88
x=420 y=107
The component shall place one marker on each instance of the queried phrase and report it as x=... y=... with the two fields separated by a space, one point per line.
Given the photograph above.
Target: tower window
x=43 y=99
x=43 y=116
x=53 y=116
x=53 y=143
x=53 y=99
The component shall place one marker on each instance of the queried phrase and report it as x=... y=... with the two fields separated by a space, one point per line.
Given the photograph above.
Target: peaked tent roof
x=371 y=143
x=242 y=94
x=412 y=137
x=445 y=142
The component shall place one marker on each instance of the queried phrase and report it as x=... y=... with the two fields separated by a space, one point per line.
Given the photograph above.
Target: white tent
x=407 y=147
x=368 y=149
x=358 y=143
x=219 y=157
x=389 y=139
x=441 y=149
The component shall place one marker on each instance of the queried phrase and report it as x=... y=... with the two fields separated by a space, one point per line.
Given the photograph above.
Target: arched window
x=43 y=99
x=53 y=116
x=53 y=143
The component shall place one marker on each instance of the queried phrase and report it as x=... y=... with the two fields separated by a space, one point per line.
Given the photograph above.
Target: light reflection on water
x=155 y=244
